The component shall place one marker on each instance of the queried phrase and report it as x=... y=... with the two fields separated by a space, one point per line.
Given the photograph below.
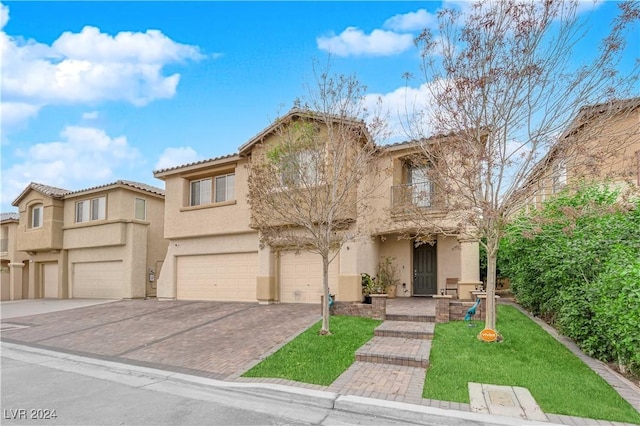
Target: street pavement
x=87 y=391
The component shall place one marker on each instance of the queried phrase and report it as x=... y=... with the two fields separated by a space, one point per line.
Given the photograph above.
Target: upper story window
x=141 y=209
x=36 y=215
x=94 y=209
x=219 y=189
x=559 y=176
x=299 y=168
x=421 y=186
x=224 y=188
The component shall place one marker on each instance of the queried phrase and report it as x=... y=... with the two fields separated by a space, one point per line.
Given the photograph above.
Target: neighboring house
x=604 y=145
x=101 y=242
x=12 y=268
x=215 y=254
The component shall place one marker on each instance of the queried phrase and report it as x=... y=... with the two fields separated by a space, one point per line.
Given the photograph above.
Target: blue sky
x=93 y=92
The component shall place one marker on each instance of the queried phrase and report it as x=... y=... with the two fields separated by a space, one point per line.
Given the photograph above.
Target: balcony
x=407 y=198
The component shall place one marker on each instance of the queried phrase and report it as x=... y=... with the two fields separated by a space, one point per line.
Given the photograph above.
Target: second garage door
x=301 y=277
x=228 y=276
x=98 y=280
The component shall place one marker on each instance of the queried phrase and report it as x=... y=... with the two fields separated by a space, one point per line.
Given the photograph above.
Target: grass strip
x=311 y=358
x=528 y=357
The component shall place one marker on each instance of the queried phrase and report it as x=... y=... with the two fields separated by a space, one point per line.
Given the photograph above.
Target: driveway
x=211 y=339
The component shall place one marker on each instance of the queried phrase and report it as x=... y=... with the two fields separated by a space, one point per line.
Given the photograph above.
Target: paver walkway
x=392 y=365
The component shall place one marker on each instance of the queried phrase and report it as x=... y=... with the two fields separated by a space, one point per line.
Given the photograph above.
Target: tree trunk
x=325 y=290
x=490 y=318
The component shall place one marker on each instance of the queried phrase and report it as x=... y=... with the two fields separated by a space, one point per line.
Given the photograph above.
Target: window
x=559 y=176
x=35 y=219
x=141 y=209
x=300 y=169
x=200 y=192
x=224 y=188
x=421 y=186
x=217 y=189
x=94 y=209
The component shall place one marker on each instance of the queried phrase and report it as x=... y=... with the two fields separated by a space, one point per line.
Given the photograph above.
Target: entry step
x=406 y=329
x=411 y=318
x=396 y=351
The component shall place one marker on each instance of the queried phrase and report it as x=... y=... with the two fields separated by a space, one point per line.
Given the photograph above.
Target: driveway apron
x=210 y=339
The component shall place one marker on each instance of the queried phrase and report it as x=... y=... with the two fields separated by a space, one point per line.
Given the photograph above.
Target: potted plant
x=388 y=276
x=368 y=286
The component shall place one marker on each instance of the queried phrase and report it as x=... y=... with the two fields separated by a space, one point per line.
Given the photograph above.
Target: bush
x=575 y=262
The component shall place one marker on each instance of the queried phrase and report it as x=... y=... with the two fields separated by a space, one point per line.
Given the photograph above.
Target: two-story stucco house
x=215 y=254
x=605 y=147
x=101 y=242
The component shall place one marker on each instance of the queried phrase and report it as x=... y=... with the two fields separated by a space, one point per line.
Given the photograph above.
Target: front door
x=425 y=270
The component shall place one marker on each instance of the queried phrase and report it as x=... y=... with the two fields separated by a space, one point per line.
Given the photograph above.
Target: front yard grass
x=529 y=357
x=311 y=358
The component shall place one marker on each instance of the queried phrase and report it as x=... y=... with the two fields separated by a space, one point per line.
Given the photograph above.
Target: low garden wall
x=376 y=310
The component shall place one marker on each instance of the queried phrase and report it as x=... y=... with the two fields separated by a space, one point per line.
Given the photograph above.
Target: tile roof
x=129 y=183
x=5 y=217
x=222 y=157
x=50 y=191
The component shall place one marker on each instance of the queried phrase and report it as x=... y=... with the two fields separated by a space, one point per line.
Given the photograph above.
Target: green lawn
x=311 y=358
x=528 y=357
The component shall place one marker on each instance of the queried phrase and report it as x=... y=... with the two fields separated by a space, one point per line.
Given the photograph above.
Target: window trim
x=135 y=208
x=36 y=207
x=91 y=215
x=213 y=192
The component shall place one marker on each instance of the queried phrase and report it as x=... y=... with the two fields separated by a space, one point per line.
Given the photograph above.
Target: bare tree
x=307 y=184
x=503 y=85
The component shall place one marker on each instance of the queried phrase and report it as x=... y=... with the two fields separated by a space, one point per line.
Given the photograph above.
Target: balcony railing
x=4 y=245
x=411 y=196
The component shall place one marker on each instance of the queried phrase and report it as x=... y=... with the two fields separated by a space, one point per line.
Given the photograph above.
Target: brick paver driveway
x=212 y=339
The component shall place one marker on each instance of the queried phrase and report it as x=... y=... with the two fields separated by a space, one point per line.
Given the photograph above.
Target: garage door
x=50 y=279
x=227 y=277
x=98 y=280
x=301 y=277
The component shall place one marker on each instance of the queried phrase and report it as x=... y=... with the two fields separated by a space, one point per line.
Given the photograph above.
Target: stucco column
x=15 y=281
x=349 y=280
x=34 y=273
x=469 y=267
x=166 y=285
x=266 y=280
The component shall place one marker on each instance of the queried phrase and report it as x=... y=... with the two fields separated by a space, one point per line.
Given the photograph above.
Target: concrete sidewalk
x=27 y=307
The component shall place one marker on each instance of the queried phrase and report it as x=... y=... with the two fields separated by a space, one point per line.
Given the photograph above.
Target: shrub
x=575 y=262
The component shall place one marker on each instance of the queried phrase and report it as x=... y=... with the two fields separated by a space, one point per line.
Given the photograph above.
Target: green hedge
x=576 y=262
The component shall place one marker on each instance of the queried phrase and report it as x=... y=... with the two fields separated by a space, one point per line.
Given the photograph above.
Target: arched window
x=35 y=216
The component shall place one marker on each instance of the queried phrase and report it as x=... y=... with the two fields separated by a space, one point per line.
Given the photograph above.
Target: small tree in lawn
x=306 y=187
x=503 y=82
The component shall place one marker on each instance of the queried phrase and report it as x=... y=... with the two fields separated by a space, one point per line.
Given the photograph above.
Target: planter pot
x=367 y=300
x=391 y=291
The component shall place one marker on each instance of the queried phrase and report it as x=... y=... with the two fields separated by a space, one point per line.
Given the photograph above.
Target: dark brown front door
x=425 y=270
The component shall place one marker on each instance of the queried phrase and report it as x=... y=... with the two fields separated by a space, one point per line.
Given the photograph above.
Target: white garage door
x=228 y=277
x=98 y=280
x=301 y=277
x=50 y=278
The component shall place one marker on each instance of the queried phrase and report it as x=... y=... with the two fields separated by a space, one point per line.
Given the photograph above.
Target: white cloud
x=171 y=157
x=353 y=41
x=412 y=21
x=4 y=15
x=90 y=67
x=14 y=113
x=84 y=156
x=91 y=115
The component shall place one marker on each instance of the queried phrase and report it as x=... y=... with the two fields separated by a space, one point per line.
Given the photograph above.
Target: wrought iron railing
x=412 y=195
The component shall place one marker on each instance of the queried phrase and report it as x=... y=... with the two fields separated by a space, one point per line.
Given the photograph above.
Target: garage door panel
x=98 y=280
x=301 y=277
x=224 y=277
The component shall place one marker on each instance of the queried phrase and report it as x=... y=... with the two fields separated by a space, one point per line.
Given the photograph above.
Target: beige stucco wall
x=401 y=251
x=142 y=246
x=231 y=243
x=49 y=235
x=183 y=221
